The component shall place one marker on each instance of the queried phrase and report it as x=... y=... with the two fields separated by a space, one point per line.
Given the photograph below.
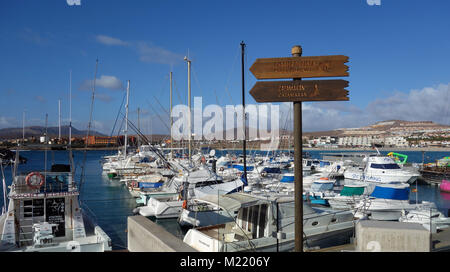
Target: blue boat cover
x=150 y=184
x=287 y=179
x=272 y=170
x=240 y=167
x=391 y=193
x=244 y=180
x=324 y=163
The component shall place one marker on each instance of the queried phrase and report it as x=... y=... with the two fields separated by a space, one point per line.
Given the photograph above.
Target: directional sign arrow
x=298 y=67
x=300 y=90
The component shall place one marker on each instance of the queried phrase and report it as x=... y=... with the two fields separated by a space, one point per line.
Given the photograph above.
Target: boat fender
x=263 y=174
x=27 y=180
x=184 y=205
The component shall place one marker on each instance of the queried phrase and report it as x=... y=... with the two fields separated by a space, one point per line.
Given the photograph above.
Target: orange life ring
x=27 y=180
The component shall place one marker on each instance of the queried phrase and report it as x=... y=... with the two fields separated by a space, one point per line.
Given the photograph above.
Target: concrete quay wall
x=147 y=236
x=387 y=236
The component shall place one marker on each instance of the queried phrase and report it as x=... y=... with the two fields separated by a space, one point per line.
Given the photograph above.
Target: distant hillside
x=37 y=131
x=382 y=127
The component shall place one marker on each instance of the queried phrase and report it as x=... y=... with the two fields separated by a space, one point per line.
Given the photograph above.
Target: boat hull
x=445 y=186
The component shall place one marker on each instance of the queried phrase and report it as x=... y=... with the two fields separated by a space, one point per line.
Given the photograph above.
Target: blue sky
x=399 y=53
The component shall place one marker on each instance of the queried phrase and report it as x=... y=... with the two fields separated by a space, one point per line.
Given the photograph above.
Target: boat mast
x=70 y=109
x=59 y=120
x=23 y=128
x=244 y=148
x=139 y=127
x=189 y=106
x=86 y=143
x=70 y=132
x=126 y=119
x=171 y=120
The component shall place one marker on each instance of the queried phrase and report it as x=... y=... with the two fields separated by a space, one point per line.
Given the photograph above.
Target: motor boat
x=44 y=214
x=267 y=224
x=388 y=201
x=381 y=169
x=198 y=183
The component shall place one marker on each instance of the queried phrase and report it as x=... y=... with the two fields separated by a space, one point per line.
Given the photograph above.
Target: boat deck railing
x=52 y=184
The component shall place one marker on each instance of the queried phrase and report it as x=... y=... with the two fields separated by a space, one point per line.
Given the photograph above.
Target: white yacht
x=44 y=215
x=433 y=220
x=381 y=169
x=388 y=202
x=348 y=197
x=267 y=224
x=193 y=184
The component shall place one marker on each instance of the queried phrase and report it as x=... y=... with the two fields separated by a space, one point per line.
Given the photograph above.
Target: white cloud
x=430 y=103
x=110 y=40
x=146 y=51
x=40 y=98
x=35 y=37
x=108 y=82
x=151 y=53
x=6 y=122
x=427 y=104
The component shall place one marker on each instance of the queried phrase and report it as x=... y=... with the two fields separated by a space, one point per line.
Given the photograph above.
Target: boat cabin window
x=385 y=166
x=208 y=183
x=253 y=219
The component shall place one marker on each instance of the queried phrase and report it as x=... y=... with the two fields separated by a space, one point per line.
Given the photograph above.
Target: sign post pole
x=296 y=91
x=298 y=163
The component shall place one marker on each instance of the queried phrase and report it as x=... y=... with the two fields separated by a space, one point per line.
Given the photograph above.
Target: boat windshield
x=385 y=166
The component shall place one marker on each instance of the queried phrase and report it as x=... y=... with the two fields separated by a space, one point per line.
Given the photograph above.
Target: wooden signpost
x=290 y=91
x=296 y=91
x=299 y=67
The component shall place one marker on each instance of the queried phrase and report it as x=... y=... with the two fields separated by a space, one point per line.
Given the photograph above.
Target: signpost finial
x=296 y=51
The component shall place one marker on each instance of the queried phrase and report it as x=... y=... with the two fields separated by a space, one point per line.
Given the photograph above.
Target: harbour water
x=110 y=202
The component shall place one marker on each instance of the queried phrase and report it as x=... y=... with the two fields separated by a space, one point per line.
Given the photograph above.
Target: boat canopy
x=240 y=167
x=352 y=190
x=232 y=201
x=200 y=175
x=322 y=185
x=324 y=163
x=391 y=192
x=272 y=170
x=288 y=178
